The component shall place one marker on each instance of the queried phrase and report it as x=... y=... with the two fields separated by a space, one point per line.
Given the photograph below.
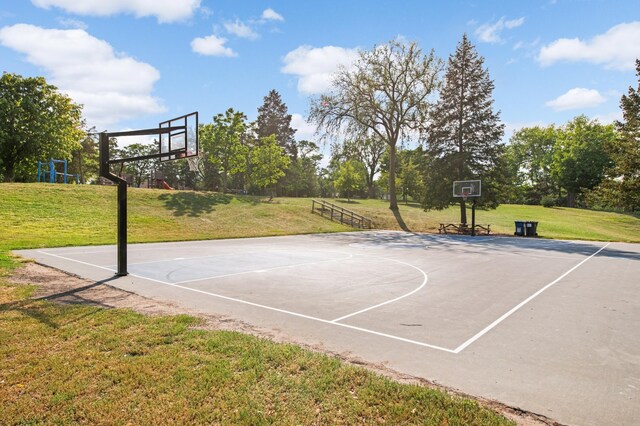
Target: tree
x=140 y=169
x=369 y=151
x=464 y=138
x=224 y=143
x=303 y=172
x=273 y=119
x=268 y=163
x=349 y=178
x=621 y=189
x=85 y=162
x=579 y=158
x=411 y=180
x=386 y=93
x=36 y=123
x=530 y=155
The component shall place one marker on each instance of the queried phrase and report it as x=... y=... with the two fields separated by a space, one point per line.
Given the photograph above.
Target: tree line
x=402 y=125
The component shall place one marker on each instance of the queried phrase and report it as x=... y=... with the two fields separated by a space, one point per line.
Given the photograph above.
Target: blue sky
x=133 y=63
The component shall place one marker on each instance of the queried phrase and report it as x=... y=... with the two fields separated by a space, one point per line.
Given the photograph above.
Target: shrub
x=548 y=201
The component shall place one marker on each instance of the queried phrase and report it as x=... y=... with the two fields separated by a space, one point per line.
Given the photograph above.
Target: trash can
x=519 y=228
x=531 y=229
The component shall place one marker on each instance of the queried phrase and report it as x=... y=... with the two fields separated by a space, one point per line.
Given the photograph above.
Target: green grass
x=558 y=222
x=43 y=215
x=85 y=364
x=90 y=365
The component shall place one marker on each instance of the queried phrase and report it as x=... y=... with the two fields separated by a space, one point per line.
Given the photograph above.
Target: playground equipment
x=52 y=175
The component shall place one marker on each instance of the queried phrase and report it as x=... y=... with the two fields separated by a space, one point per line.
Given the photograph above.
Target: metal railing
x=340 y=214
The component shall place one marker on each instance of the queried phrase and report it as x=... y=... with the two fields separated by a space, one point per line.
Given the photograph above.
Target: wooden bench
x=463 y=229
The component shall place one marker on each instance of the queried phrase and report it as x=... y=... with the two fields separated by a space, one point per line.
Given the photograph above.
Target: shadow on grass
x=193 y=204
x=39 y=312
x=347 y=201
x=400 y=220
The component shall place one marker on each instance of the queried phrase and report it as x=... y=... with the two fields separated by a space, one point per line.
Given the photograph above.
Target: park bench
x=463 y=228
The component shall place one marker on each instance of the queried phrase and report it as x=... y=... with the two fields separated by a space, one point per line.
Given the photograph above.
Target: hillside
x=38 y=215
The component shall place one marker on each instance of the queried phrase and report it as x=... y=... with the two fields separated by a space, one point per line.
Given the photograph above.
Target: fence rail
x=340 y=214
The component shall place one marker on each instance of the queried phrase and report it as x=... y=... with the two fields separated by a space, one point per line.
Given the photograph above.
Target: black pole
x=473 y=218
x=122 y=203
x=122 y=228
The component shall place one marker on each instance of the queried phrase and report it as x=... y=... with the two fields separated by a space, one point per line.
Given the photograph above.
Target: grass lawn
x=557 y=222
x=44 y=215
x=86 y=364
x=66 y=364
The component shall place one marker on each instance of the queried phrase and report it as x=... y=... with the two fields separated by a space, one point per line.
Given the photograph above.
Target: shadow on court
x=453 y=243
x=193 y=204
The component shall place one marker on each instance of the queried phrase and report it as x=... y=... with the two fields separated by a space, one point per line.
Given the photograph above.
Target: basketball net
x=465 y=195
x=195 y=161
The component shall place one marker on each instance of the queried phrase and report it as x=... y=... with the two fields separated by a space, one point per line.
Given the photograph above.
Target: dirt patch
x=57 y=286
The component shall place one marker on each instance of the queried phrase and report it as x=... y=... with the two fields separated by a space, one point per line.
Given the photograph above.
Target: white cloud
x=514 y=23
x=212 y=46
x=271 y=15
x=490 y=33
x=163 y=10
x=577 y=98
x=616 y=49
x=241 y=29
x=72 y=23
x=315 y=67
x=304 y=130
x=111 y=86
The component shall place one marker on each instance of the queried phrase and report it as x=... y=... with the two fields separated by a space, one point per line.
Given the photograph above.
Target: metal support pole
x=122 y=228
x=38 y=171
x=122 y=203
x=65 y=172
x=52 y=171
x=473 y=218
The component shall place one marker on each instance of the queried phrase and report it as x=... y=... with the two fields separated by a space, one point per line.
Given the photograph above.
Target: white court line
x=213 y=277
x=270 y=308
x=454 y=351
x=521 y=304
x=324 y=321
x=74 y=260
x=232 y=255
x=424 y=282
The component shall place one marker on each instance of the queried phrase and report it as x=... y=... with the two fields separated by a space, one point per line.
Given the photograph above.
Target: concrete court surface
x=549 y=326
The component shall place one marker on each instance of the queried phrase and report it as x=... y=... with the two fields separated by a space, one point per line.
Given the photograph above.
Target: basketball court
x=544 y=325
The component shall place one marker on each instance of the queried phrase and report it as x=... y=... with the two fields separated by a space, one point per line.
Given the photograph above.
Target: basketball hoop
x=194 y=162
x=465 y=195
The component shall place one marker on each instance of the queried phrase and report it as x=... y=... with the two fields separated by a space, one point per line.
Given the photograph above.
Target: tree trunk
x=224 y=182
x=9 y=171
x=463 y=212
x=393 y=201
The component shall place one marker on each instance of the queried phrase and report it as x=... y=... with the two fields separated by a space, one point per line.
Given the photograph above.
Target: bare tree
x=387 y=92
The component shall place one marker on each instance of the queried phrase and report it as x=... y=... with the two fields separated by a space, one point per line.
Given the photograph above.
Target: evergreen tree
x=464 y=140
x=621 y=189
x=273 y=119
